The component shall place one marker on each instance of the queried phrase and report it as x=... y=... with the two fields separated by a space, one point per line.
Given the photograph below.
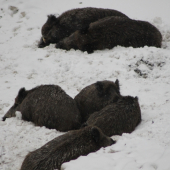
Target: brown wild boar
x=47 y=105
x=110 y=32
x=96 y=96
x=65 y=148
x=117 y=118
x=57 y=28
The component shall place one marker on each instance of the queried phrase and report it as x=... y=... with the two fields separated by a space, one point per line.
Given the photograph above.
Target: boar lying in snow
x=65 y=148
x=47 y=105
x=96 y=96
x=117 y=118
x=57 y=28
x=110 y=32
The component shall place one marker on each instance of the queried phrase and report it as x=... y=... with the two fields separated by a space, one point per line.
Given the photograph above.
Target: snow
x=142 y=72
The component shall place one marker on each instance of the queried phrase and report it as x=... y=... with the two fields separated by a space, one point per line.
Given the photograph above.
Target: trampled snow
x=142 y=72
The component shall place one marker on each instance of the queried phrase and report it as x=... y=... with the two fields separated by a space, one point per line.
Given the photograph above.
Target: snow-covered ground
x=22 y=64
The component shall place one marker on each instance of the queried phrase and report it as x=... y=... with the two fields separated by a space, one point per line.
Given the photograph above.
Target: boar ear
x=117 y=84
x=95 y=134
x=99 y=87
x=136 y=98
x=84 y=30
x=52 y=19
x=22 y=93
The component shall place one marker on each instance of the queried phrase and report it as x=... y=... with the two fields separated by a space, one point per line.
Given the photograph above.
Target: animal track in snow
x=143 y=67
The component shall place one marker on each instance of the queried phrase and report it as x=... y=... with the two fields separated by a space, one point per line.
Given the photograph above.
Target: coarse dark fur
x=47 y=105
x=110 y=32
x=117 y=118
x=96 y=96
x=57 y=28
x=65 y=148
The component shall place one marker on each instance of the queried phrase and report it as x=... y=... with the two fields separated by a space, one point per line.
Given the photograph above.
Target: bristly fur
x=112 y=31
x=65 y=148
x=47 y=105
x=96 y=96
x=84 y=30
x=117 y=118
x=57 y=28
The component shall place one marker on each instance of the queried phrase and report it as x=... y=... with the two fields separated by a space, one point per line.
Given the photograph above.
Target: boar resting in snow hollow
x=57 y=28
x=96 y=96
x=117 y=118
x=47 y=105
x=110 y=32
x=65 y=148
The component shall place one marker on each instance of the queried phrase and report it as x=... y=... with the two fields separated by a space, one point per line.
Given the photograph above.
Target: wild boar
x=65 y=148
x=112 y=31
x=117 y=118
x=47 y=105
x=96 y=96
x=57 y=28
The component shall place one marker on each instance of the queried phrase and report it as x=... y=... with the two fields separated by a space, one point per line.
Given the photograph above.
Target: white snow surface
x=22 y=64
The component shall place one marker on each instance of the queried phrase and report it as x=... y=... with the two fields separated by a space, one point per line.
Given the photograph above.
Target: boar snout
x=11 y=112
